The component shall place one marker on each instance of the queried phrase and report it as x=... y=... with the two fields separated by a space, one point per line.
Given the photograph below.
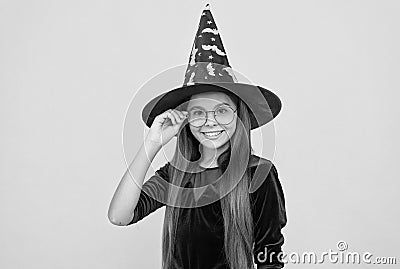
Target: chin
x=212 y=145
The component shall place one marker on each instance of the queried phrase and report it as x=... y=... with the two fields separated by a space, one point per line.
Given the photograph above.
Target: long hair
x=236 y=207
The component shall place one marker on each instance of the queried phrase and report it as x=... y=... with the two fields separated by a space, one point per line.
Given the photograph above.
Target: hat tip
x=207 y=7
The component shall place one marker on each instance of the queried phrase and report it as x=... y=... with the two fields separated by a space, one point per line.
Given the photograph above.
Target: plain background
x=69 y=70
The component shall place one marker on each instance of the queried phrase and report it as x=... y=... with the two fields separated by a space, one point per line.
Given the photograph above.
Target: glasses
x=223 y=114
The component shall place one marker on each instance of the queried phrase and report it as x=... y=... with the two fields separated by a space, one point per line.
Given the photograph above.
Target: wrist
x=151 y=145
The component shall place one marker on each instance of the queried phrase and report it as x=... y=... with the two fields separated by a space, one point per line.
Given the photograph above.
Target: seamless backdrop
x=70 y=69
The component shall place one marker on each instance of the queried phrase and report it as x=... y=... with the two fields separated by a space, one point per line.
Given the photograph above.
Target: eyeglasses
x=223 y=114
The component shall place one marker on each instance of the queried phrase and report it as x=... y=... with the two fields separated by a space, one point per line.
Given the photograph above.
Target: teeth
x=212 y=133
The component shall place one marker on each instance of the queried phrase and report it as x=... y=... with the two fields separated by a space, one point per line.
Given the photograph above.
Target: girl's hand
x=165 y=126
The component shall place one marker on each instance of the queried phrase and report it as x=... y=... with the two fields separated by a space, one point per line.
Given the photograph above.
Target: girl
x=234 y=211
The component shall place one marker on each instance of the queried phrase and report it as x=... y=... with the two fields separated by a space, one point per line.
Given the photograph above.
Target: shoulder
x=262 y=172
x=164 y=171
x=257 y=160
x=260 y=166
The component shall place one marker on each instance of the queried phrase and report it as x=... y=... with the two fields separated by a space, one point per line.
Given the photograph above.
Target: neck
x=209 y=156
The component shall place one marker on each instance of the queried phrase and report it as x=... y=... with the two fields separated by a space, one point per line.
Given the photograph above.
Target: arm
x=127 y=194
x=122 y=207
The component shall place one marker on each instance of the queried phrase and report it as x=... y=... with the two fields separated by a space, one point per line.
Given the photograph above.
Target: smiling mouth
x=212 y=134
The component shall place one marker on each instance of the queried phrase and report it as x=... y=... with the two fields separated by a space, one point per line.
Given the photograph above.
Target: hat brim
x=263 y=104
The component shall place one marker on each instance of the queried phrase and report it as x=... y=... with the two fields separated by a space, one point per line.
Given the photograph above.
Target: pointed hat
x=209 y=70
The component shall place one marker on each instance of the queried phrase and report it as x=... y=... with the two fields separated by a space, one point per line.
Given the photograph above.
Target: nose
x=210 y=119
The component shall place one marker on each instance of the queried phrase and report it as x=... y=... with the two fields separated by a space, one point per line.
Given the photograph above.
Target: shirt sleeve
x=269 y=218
x=153 y=194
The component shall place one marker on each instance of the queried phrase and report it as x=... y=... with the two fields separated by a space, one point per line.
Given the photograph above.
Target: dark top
x=200 y=232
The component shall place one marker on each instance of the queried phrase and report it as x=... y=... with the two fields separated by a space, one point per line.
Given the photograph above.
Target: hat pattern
x=208 y=61
x=208 y=70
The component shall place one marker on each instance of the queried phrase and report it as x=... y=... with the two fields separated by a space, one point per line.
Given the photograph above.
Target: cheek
x=231 y=128
x=194 y=131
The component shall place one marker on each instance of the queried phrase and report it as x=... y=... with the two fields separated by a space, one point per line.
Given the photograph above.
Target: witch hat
x=209 y=70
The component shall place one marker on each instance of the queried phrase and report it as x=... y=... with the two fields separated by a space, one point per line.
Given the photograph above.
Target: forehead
x=209 y=100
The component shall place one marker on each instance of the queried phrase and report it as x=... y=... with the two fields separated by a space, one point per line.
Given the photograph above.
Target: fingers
x=171 y=116
x=182 y=114
x=176 y=116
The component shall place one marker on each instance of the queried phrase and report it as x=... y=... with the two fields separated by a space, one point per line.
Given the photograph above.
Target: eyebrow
x=224 y=103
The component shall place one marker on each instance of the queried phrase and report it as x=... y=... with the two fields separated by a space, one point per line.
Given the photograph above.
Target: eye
x=221 y=110
x=197 y=112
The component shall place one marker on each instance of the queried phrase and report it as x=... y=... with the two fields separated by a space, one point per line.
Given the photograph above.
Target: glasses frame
x=206 y=118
